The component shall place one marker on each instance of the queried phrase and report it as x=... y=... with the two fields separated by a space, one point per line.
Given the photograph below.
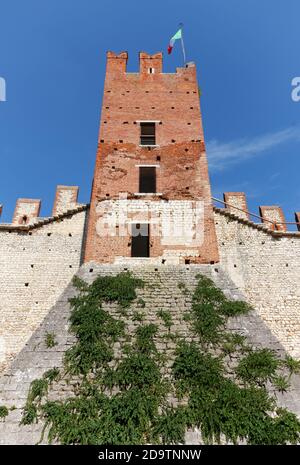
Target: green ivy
x=50 y=340
x=3 y=412
x=123 y=396
x=258 y=367
x=166 y=317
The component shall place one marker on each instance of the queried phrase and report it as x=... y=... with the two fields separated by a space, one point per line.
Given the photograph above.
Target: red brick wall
x=172 y=100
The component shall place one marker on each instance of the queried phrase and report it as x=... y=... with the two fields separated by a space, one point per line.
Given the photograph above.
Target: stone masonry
x=266 y=268
x=36 y=264
x=162 y=291
x=254 y=260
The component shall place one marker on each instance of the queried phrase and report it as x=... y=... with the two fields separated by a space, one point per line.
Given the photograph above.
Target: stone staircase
x=167 y=288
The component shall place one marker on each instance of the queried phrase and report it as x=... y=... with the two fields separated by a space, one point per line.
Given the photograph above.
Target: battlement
x=149 y=65
x=271 y=216
x=27 y=211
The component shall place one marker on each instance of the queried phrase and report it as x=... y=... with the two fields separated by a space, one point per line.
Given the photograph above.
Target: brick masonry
x=39 y=256
x=172 y=102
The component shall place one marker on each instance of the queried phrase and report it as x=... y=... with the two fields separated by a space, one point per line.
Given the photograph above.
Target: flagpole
x=182 y=44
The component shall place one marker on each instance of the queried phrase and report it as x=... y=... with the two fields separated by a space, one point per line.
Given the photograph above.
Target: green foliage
x=229 y=410
x=52 y=375
x=79 y=284
x=281 y=383
x=210 y=309
x=124 y=418
x=208 y=321
x=38 y=389
x=171 y=425
x=195 y=368
x=3 y=411
x=120 y=288
x=234 y=308
x=138 y=316
x=183 y=288
x=30 y=414
x=258 y=367
x=138 y=370
x=50 y=340
x=141 y=303
x=126 y=400
x=283 y=429
x=145 y=338
x=232 y=343
x=95 y=328
x=165 y=316
x=292 y=365
x=187 y=317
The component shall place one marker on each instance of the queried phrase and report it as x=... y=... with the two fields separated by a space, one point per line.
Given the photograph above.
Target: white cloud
x=221 y=155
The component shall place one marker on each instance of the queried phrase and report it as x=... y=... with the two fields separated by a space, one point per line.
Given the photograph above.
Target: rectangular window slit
x=148 y=134
x=147 y=180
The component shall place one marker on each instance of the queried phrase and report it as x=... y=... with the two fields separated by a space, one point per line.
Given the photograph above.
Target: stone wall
x=36 y=264
x=265 y=266
x=163 y=290
x=175 y=229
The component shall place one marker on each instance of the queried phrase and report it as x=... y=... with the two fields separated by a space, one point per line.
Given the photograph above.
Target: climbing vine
x=3 y=412
x=126 y=392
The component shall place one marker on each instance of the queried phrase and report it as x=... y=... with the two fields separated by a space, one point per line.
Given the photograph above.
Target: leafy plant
x=165 y=316
x=51 y=375
x=233 y=343
x=141 y=303
x=30 y=414
x=183 y=288
x=281 y=384
x=50 y=340
x=138 y=316
x=120 y=288
x=127 y=400
x=3 y=412
x=258 y=366
x=234 y=308
x=292 y=365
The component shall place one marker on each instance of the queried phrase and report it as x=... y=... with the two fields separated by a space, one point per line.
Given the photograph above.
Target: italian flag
x=172 y=41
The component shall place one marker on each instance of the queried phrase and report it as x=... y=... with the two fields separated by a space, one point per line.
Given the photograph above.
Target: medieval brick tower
x=150 y=205
x=151 y=193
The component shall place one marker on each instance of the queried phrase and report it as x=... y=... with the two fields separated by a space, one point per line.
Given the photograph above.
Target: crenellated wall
x=38 y=257
x=263 y=260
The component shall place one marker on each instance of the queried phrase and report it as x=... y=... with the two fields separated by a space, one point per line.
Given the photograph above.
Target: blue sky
x=52 y=57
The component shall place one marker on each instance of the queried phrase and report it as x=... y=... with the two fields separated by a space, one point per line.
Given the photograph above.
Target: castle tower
x=151 y=194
